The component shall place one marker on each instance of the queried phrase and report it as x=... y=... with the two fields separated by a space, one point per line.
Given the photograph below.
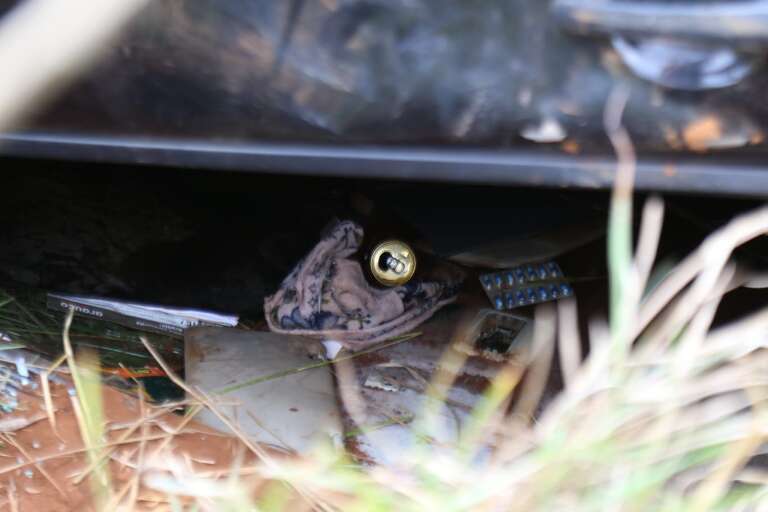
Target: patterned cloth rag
x=327 y=296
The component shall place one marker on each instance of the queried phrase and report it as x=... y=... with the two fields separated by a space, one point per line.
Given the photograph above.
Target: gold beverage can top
x=392 y=263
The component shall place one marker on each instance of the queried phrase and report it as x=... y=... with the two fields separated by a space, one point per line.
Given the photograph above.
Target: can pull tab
x=392 y=263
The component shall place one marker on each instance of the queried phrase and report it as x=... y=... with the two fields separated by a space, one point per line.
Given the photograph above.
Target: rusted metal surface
x=318 y=87
x=374 y=72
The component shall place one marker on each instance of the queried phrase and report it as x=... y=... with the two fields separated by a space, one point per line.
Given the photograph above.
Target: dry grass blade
x=620 y=218
x=448 y=369
x=88 y=408
x=199 y=395
x=283 y=446
x=133 y=484
x=48 y=401
x=9 y=439
x=13 y=501
x=292 y=371
x=716 y=246
x=699 y=326
x=135 y=481
x=188 y=417
x=46 y=389
x=648 y=241
x=569 y=342
x=79 y=451
x=714 y=487
x=140 y=423
x=622 y=144
x=535 y=381
x=750 y=330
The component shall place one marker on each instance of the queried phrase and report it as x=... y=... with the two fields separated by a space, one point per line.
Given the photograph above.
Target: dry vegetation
x=664 y=413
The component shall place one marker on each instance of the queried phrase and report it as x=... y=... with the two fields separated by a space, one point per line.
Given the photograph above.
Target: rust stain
x=670 y=171
x=371 y=359
x=571 y=147
x=757 y=138
x=671 y=136
x=612 y=62
x=355 y=449
x=352 y=443
x=570 y=108
x=472 y=383
x=193 y=351
x=700 y=134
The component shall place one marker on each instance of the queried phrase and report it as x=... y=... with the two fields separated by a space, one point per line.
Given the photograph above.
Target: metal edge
x=471 y=166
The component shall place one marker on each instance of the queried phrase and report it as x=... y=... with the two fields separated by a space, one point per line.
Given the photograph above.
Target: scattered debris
x=332 y=348
x=380 y=381
x=390 y=387
x=497 y=335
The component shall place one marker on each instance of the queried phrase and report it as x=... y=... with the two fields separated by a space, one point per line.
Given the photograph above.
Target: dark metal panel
x=452 y=73
x=504 y=167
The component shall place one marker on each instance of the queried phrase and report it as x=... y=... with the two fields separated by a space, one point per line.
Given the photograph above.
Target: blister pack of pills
x=525 y=285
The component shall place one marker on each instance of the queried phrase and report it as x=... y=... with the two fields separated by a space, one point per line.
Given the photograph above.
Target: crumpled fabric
x=327 y=296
